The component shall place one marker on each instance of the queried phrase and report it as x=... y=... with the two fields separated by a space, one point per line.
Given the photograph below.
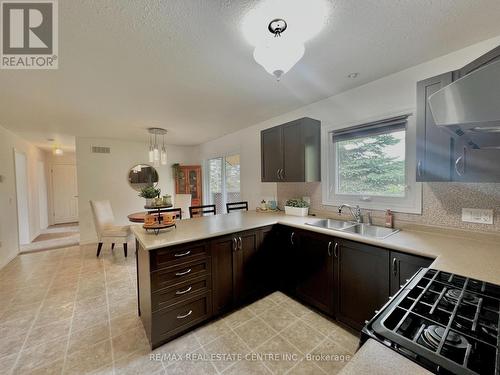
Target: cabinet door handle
x=330 y=248
x=457 y=163
x=282 y=173
x=180 y=292
x=178 y=255
x=419 y=168
x=336 y=250
x=278 y=174
x=235 y=244
x=185 y=315
x=183 y=273
x=292 y=236
x=394 y=266
x=240 y=243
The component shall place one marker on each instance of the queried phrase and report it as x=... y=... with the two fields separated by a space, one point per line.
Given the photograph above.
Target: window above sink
x=372 y=165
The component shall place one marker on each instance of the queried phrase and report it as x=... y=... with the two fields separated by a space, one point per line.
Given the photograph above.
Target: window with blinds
x=370 y=158
x=371 y=165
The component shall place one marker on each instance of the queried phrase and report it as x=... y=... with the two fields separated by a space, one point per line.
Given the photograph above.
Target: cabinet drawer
x=178 y=273
x=170 y=256
x=179 y=317
x=180 y=292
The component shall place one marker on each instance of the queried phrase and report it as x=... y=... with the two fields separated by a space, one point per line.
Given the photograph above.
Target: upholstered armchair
x=107 y=231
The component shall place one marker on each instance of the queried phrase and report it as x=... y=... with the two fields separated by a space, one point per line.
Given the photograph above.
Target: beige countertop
x=461 y=252
x=375 y=359
x=471 y=254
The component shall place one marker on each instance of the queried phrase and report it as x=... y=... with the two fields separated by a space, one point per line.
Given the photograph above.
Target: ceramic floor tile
x=7 y=362
x=124 y=323
x=40 y=356
x=38 y=335
x=129 y=342
x=305 y=367
x=247 y=367
x=239 y=317
x=229 y=345
x=175 y=349
x=279 y=355
x=278 y=318
x=138 y=363
x=89 y=359
x=302 y=336
x=196 y=363
x=12 y=344
x=254 y=332
x=85 y=338
x=211 y=331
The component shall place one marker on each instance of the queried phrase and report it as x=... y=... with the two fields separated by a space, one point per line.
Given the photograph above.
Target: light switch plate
x=477 y=215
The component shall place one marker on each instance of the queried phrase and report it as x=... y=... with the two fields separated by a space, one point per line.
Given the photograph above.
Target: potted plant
x=296 y=207
x=149 y=192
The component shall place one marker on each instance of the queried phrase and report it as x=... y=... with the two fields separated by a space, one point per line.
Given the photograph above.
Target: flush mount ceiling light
x=278 y=30
x=157 y=155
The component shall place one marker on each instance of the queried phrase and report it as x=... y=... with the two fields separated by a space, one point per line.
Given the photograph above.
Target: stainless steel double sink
x=366 y=230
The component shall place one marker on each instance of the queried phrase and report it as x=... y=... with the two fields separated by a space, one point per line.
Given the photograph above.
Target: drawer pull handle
x=185 y=315
x=179 y=292
x=178 y=255
x=183 y=273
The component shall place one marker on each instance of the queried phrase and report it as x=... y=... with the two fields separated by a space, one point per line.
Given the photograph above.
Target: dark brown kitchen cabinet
x=403 y=267
x=434 y=145
x=314 y=277
x=240 y=268
x=475 y=165
x=222 y=267
x=362 y=281
x=291 y=152
x=285 y=251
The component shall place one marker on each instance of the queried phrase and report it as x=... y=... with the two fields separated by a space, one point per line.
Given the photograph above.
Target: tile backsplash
x=442 y=203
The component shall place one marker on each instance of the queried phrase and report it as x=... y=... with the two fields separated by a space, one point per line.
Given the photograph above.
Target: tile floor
x=64 y=311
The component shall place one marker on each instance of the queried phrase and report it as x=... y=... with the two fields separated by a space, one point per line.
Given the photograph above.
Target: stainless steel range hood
x=470 y=107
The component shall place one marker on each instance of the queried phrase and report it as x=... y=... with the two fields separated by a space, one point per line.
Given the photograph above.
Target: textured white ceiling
x=125 y=65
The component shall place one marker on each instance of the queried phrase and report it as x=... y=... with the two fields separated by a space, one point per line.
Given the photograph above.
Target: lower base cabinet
x=180 y=287
x=315 y=277
x=362 y=282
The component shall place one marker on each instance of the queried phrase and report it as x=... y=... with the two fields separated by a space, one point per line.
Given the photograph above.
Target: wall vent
x=101 y=150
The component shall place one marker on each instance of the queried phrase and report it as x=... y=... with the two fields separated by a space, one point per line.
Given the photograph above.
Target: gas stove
x=446 y=323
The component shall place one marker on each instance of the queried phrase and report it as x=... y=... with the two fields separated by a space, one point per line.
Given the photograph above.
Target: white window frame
x=411 y=203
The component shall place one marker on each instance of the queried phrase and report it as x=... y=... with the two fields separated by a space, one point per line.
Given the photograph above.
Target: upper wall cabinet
x=292 y=152
x=434 y=145
x=445 y=155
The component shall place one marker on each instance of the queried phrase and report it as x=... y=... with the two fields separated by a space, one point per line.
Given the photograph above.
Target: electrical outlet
x=477 y=215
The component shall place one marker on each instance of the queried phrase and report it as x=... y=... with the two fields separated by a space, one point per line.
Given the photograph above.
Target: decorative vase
x=149 y=202
x=296 y=211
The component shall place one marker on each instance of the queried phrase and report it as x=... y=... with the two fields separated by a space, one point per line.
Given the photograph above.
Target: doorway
x=64 y=193
x=21 y=170
x=223 y=181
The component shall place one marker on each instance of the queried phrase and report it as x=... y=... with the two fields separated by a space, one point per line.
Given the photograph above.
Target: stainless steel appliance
x=470 y=107
x=446 y=323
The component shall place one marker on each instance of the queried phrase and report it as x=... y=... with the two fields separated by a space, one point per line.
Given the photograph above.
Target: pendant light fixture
x=156 y=155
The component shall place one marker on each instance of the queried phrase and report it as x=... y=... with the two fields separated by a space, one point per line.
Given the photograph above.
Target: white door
x=42 y=194
x=22 y=198
x=65 y=194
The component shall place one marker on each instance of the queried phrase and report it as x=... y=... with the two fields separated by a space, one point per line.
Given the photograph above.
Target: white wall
x=385 y=96
x=8 y=212
x=104 y=176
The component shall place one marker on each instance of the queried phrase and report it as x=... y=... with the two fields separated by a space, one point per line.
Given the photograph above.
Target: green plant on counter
x=299 y=203
x=149 y=192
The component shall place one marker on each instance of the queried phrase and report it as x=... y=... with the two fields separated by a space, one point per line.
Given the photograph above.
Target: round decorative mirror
x=142 y=175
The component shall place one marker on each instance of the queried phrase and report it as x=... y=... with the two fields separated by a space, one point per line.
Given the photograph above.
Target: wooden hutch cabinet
x=188 y=181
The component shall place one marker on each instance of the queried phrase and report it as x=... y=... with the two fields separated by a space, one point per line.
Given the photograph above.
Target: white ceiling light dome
x=278 y=30
x=278 y=55
x=304 y=18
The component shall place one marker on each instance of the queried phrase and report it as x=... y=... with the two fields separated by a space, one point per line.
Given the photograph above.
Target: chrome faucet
x=354 y=210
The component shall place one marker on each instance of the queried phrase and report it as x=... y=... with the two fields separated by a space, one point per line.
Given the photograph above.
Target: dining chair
x=183 y=201
x=236 y=206
x=196 y=211
x=107 y=231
